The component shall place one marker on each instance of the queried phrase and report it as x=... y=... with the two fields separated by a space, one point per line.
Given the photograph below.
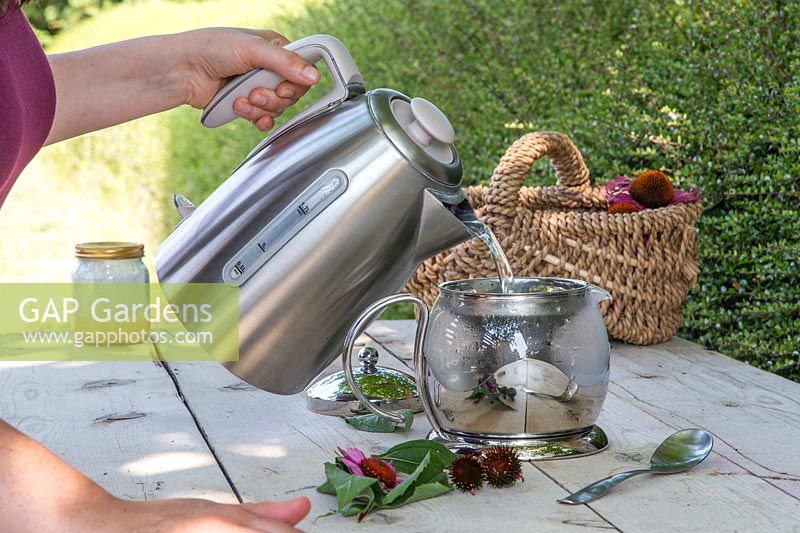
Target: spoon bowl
x=679 y=452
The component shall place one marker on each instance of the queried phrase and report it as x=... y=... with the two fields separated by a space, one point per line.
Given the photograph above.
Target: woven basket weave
x=646 y=260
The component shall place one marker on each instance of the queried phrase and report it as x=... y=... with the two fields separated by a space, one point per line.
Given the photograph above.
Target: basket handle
x=572 y=189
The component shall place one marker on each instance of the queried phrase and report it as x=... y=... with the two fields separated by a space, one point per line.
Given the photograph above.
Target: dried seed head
x=623 y=207
x=466 y=473
x=501 y=466
x=652 y=188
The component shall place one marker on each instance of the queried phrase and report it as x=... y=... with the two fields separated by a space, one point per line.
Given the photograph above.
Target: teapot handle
x=420 y=363
x=343 y=69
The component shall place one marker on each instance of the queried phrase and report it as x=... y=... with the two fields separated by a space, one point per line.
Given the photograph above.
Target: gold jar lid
x=109 y=250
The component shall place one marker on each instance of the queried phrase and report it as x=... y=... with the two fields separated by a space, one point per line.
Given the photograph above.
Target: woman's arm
x=115 y=83
x=39 y=492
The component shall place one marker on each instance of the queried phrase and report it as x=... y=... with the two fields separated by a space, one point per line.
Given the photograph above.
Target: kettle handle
x=420 y=362
x=343 y=69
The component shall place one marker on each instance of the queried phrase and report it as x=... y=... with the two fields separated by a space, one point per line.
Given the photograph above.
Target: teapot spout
x=439 y=229
x=599 y=294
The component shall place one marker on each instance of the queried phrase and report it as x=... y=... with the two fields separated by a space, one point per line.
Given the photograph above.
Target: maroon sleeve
x=27 y=97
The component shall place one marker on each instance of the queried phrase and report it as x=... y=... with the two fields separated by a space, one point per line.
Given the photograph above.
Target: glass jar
x=110 y=262
x=103 y=263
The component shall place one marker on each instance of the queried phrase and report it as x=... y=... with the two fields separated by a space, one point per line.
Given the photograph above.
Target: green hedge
x=51 y=17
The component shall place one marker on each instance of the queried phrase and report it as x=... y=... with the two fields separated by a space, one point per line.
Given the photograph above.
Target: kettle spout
x=439 y=229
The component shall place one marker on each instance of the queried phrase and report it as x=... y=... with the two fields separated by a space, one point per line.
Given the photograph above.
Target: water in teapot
x=466 y=215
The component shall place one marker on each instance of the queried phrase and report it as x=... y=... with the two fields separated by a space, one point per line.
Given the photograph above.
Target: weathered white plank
x=120 y=423
x=754 y=415
x=715 y=496
x=395 y=335
x=273 y=448
x=718 y=495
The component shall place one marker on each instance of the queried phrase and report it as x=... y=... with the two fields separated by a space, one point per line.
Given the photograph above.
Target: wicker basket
x=647 y=260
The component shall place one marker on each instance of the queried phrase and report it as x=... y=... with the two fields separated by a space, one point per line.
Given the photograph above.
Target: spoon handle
x=598 y=489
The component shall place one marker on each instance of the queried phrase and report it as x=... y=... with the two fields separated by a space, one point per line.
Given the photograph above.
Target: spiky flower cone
x=623 y=207
x=502 y=466
x=380 y=470
x=652 y=188
x=466 y=473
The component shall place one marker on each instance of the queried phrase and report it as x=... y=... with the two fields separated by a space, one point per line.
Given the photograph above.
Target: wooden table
x=159 y=430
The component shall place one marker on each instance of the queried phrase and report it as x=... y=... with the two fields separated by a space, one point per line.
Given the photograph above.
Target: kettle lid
x=421 y=132
x=427 y=126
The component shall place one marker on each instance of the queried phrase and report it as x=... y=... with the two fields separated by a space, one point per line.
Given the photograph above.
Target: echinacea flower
x=623 y=208
x=501 y=466
x=652 y=188
x=618 y=191
x=360 y=465
x=467 y=474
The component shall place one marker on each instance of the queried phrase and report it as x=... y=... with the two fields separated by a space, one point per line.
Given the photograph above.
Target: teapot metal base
x=589 y=443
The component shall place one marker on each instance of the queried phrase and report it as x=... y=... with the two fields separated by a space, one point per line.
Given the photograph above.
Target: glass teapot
x=491 y=366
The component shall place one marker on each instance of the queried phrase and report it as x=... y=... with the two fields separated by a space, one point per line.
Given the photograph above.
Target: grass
x=707 y=91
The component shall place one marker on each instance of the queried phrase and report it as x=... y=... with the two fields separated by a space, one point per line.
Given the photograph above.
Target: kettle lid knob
x=427 y=126
x=430 y=122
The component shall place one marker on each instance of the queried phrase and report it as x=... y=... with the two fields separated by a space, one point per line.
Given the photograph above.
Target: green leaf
x=353 y=510
x=425 y=491
x=349 y=487
x=325 y=515
x=377 y=424
x=371 y=423
x=408 y=455
x=409 y=415
x=358 y=508
x=433 y=476
x=327 y=488
x=401 y=489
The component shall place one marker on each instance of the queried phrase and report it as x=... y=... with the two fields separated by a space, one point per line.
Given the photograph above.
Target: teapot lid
x=421 y=132
x=332 y=395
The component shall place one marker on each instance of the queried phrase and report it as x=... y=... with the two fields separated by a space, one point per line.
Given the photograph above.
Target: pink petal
x=473 y=491
x=351 y=458
x=623 y=197
x=618 y=191
x=679 y=196
x=354 y=454
x=618 y=184
x=352 y=467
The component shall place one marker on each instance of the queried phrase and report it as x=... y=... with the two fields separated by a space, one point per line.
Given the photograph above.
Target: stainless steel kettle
x=328 y=214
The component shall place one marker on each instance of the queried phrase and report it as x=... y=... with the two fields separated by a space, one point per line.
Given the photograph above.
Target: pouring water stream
x=467 y=216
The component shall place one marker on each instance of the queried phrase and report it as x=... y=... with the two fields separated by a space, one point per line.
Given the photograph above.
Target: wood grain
x=121 y=423
x=754 y=415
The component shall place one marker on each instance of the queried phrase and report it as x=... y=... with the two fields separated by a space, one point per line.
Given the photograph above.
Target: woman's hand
x=215 y=54
x=40 y=492
x=189 y=516
x=107 y=85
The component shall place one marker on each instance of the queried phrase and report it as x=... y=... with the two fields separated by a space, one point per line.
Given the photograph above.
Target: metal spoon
x=679 y=452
